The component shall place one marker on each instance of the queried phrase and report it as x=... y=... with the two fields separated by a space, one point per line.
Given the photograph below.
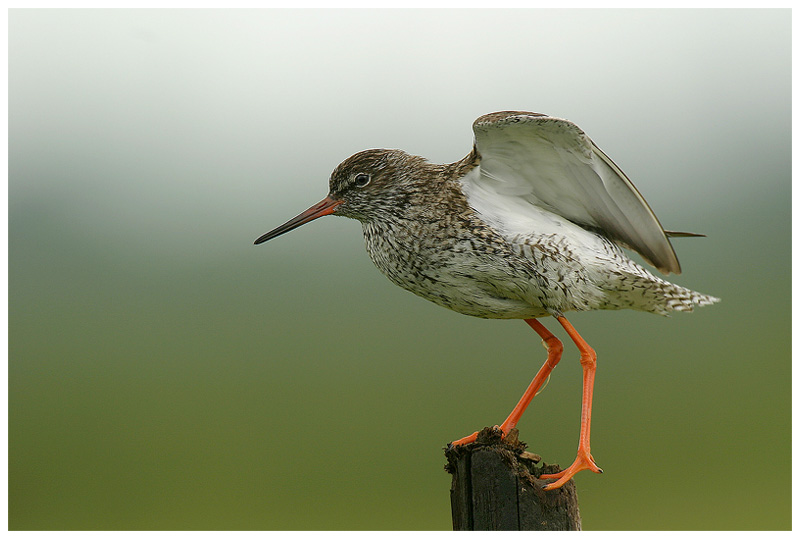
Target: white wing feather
x=532 y=162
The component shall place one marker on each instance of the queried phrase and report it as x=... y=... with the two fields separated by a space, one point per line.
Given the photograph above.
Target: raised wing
x=551 y=163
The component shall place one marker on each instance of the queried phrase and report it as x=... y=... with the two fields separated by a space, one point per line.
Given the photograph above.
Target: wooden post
x=496 y=487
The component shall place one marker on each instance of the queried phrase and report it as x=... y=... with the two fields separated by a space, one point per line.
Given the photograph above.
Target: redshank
x=530 y=224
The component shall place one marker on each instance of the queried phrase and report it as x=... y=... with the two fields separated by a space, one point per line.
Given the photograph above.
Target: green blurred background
x=164 y=373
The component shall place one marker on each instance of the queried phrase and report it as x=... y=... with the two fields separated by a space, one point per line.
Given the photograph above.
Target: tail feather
x=644 y=291
x=678 y=298
x=672 y=234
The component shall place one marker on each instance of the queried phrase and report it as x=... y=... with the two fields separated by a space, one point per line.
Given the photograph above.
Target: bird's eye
x=361 y=180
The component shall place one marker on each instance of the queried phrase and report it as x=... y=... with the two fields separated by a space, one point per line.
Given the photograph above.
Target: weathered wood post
x=496 y=487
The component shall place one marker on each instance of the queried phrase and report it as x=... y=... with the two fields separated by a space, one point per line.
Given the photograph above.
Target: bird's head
x=362 y=187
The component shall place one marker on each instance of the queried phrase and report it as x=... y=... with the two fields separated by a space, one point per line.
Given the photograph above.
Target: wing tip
x=676 y=269
x=668 y=262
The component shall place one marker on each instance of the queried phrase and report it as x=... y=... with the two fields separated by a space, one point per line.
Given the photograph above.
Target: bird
x=534 y=222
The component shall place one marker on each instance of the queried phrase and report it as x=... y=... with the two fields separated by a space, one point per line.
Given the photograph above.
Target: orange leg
x=554 y=349
x=584 y=460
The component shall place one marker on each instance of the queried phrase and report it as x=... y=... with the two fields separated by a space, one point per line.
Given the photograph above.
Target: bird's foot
x=474 y=436
x=465 y=440
x=584 y=461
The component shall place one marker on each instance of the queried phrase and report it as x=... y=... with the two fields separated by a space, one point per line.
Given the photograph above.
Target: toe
x=582 y=462
x=466 y=439
x=556 y=484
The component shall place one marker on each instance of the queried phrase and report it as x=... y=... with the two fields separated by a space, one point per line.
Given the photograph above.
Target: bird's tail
x=678 y=298
x=641 y=290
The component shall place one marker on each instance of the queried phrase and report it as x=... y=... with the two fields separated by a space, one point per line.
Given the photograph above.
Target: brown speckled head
x=374 y=181
x=369 y=185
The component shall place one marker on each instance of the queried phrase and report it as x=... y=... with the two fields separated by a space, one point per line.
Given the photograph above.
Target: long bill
x=326 y=207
